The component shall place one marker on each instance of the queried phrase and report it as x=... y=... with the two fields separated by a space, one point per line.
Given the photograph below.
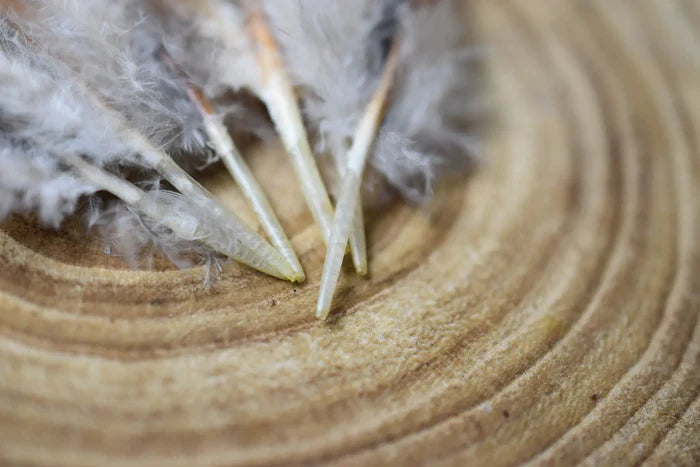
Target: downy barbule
x=108 y=86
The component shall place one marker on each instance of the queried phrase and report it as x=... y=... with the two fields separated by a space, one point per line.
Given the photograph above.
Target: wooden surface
x=545 y=310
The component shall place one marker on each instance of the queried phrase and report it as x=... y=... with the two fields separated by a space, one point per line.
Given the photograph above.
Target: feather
x=63 y=117
x=36 y=182
x=242 y=54
x=112 y=47
x=126 y=64
x=335 y=56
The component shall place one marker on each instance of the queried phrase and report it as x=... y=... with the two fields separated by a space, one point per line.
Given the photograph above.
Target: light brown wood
x=545 y=310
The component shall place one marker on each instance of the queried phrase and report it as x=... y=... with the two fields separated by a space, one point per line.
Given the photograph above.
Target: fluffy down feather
x=43 y=114
x=112 y=46
x=39 y=104
x=31 y=180
x=427 y=130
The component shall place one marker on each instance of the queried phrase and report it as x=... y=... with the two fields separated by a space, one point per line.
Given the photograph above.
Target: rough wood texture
x=545 y=310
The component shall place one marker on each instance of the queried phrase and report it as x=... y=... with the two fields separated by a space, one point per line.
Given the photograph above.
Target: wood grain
x=543 y=311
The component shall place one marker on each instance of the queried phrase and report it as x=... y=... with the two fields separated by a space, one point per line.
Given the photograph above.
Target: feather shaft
x=234 y=162
x=277 y=92
x=189 y=187
x=186 y=227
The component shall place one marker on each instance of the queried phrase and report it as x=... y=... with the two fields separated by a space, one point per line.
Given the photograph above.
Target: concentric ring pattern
x=543 y=311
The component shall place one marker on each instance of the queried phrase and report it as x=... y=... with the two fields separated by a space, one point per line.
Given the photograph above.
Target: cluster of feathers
x=74 y=71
